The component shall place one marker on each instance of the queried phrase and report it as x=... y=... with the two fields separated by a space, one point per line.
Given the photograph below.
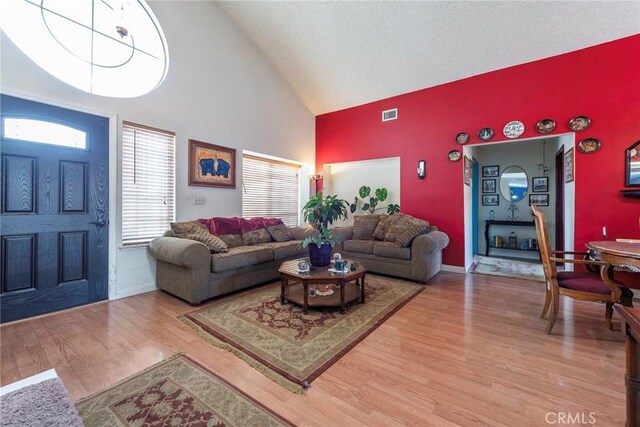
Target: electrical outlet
x=198 y=200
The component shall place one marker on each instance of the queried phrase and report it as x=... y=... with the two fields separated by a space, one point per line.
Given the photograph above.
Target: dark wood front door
x=54 y=201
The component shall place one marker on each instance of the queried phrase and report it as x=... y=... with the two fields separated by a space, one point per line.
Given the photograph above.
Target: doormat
x=175 y=392
x=288 y=346
x=509 y=268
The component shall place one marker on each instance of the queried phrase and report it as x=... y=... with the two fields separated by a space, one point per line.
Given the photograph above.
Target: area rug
x=175 y=392
x=510 y=268
x=288 y=346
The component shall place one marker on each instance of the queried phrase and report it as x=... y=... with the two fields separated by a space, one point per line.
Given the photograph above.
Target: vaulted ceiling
x=341 y=54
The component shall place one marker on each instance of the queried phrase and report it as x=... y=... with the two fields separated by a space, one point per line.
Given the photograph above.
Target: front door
x=54 y=208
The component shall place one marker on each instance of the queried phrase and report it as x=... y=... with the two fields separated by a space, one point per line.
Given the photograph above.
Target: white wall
x=219 y=89
x=345 y=179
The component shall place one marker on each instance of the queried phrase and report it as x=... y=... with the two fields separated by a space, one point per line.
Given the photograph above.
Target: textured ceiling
x=341 y=54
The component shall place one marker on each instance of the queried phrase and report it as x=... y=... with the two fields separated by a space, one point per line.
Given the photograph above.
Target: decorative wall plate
x=545 y=126
x=513 y=129
x=462 y=138
x=485 y=134
x=579 y=123
x=454 y=155
x=589 y=145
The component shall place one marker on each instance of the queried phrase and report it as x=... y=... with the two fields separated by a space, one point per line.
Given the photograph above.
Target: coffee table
x=296 y=286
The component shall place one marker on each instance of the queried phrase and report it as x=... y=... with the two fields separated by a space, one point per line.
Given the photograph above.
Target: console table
x=491 y=222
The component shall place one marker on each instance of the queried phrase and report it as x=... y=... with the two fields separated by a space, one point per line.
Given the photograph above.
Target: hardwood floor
x=470 y=349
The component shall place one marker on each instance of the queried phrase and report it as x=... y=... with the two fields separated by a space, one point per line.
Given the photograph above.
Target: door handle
x=100 y=223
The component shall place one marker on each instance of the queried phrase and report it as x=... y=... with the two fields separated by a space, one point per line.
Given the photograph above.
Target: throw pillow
x=214 y=243
x=253 y=231
x=382 y=227
x=231 y=240
x=227 y=229
x=364 y=226
x=410 y=232
x=180 y=229
x=280 y=233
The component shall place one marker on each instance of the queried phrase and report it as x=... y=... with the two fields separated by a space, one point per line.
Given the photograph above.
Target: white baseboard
x=453 y=269
x=133 y=290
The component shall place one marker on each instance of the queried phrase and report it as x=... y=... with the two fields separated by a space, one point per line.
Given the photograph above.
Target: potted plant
x=370 y=205
x=320 y=212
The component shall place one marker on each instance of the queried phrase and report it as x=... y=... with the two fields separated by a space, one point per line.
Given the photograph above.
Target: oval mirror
x=513 y=184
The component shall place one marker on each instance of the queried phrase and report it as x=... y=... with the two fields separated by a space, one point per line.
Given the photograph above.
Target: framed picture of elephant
x=211 y=165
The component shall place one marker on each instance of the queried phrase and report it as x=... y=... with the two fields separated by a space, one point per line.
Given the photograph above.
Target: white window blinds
x=270 y=189
x=148 y=182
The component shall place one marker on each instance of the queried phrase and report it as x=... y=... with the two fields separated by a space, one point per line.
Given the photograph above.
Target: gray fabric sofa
x=420 y=261
x=185 y=268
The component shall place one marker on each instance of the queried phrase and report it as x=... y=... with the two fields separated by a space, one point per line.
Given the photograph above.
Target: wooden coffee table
x=296 y=287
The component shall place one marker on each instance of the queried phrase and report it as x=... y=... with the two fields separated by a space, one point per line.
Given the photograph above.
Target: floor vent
x=389 y=115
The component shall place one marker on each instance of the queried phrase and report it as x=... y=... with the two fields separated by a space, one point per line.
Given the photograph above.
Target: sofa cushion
x=240 y=257
x=359 y=246
x=253 y=231
x=364 y=226
x=391 y=250
x=282 y=250
x=403 y=225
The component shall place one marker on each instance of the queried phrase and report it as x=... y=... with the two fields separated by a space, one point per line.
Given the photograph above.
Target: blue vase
x=320 y=256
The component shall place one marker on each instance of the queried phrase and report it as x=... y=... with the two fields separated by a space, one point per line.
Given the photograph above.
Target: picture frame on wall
x=540 y=184
x=468 y=167
x=488 y=185
x=211 y=165
x=539 y=199
x=490 y=171
x=490 y=199
x=569 y=166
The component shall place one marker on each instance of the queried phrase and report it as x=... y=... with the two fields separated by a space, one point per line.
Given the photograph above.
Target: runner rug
x=510 y=268
x=175 y=392
x=288 y=346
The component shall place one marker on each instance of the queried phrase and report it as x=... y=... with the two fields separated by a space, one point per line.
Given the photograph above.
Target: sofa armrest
x=427 y=244
x=426 y=255
x=183 y=252
x=343 y=233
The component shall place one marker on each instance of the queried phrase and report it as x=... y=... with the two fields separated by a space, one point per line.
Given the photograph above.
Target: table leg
x=305 y=291
x=362 y=289
x=283 y=286
x=343 y=308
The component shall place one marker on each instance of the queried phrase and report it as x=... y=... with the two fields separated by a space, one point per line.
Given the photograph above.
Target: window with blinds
x=271 y=189
x=148 y=182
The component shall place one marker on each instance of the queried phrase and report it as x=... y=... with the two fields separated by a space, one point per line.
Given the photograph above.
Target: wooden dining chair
x=583 y=286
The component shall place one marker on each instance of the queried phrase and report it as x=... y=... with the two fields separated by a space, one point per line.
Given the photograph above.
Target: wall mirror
x=513 y=184
x=633 y=165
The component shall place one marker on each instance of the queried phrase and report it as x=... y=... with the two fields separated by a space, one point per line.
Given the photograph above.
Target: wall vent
x=389 y=115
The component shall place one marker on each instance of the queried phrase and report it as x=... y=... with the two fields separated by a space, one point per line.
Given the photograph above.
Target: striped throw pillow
x=214 y=243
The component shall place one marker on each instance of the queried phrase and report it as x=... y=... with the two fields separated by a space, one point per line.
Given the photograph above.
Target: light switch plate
x=198 y=200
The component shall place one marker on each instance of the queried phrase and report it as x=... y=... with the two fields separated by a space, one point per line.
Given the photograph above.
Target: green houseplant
x=369 y=203
x=320 y=212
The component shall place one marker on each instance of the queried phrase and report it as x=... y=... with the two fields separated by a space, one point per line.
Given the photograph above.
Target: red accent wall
x=601 y=82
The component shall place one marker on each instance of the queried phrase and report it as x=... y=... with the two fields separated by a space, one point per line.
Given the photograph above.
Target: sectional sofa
x=188 y=269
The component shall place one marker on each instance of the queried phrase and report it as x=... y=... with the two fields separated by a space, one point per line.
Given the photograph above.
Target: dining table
x=625 y=254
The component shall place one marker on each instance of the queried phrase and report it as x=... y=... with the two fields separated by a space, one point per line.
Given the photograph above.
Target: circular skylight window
x=106 y=47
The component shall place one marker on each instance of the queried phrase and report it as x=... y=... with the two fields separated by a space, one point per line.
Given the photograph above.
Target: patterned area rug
x=510 y=268
x=288 y=346
x=175 y=392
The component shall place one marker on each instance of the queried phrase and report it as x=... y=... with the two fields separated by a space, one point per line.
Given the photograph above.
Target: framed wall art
x=488 y=185
x=539 y=199
x=211 y=165
x=540 y=184
x=569 y=167
x=490 y=200
x=490 y=171
x=468 y=167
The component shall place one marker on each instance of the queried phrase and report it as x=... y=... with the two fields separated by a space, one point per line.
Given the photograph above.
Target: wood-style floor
x=469 y=350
